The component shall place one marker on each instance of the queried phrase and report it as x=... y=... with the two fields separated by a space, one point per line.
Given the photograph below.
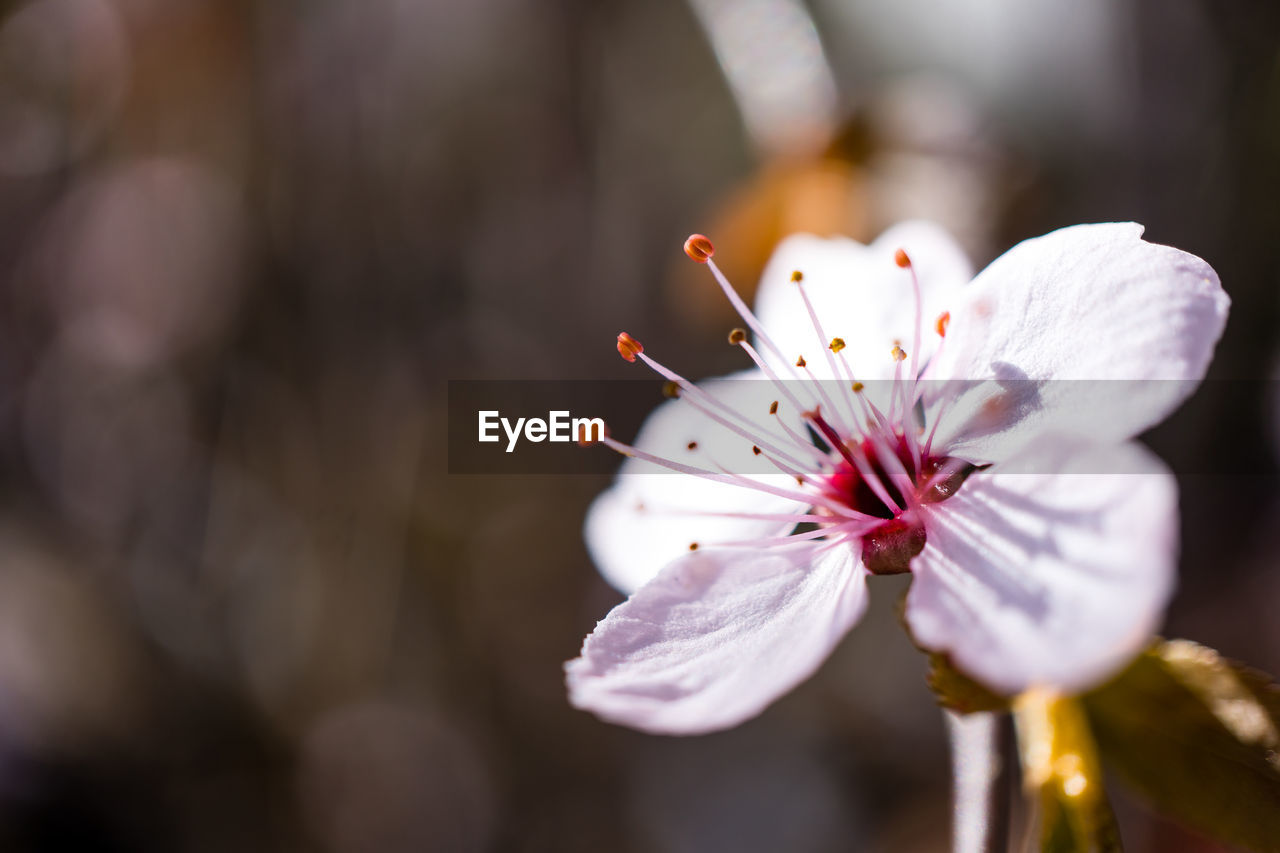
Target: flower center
x=889 y=547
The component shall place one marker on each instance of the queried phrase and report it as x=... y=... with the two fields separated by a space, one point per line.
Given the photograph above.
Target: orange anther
x=593 y=435
x=901 y=258
x=629 y=347
x=944 y=320
x=699 y=248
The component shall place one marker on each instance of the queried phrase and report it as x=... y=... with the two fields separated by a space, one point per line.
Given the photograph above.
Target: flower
x=990 y=456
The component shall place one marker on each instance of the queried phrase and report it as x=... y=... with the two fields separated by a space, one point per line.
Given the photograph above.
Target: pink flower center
x=887 y=548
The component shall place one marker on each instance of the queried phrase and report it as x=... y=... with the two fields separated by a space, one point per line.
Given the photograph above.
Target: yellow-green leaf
x=1060 y=768
x=1199 y=736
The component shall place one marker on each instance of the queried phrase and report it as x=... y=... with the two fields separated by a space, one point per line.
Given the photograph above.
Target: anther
x=773 y=407
x=699 y=248
x=857 y=387
x=737 y=336
x=898 y=353
x=592 y=435
x=670 y=390
x=756 y=450
x=629 y=347
x=797 y=276
x=944 y=320
x=837 y=344
x=901 y=258
x=800 y=362
x=693 y=546
x=693 y=445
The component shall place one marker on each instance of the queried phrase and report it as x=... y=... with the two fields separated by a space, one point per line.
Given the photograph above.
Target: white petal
x=861 y=295
x=1090 y=302
x=1054 y=578
x=718 y=635
x=646 y=519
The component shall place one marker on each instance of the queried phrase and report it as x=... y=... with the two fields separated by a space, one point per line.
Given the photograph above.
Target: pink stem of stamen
x=804 y=518
x=769 y=541
x=790 y=472
x=743 y=311
x=824 y=342
x=872 y=413
x=937 y=419
x=801 y=441
x=769 y=372
x=919 y=332
x=828 y=402
x=894 y=392
x=702 y=401
x=732 y=479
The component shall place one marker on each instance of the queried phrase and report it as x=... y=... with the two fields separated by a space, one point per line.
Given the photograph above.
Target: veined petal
x=652 y=515
x=1057 y=319
x=860 y=295
x=1055 y=578
x=718 y=635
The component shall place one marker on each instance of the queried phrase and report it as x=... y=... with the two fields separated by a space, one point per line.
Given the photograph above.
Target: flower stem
x=981 y=760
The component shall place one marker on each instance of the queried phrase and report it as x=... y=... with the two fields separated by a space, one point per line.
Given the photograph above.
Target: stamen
x=788 y=518
x=670 y=390
x=629 y=347
x=814 y=382
x=735 y=480
x=897 y=352
x=941 y=326
x=821 y=458
x=699 y=248
x=918 y=332
x=773 y=407
x=937 y=419
x=797 y=276
x=703 y=402
x=831 y=350
x=773 y=377
x=737 y=336
x=848 y=528
x=800 y=362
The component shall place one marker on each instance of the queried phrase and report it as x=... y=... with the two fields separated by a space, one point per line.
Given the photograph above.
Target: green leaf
x=1199 y=736
x=1060 y=768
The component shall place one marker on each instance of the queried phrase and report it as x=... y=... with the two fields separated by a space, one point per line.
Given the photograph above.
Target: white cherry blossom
x=902 y=418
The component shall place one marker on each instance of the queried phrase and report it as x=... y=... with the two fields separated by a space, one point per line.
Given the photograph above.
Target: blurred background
x=244 y=245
